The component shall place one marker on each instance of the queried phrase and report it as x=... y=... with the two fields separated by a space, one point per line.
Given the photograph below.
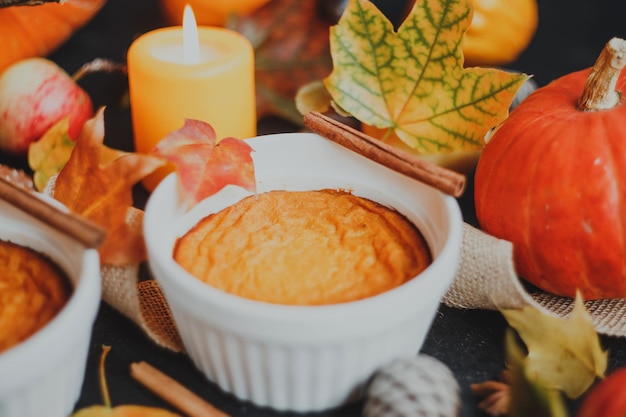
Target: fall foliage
x=412 y=82
x=291 y=48
x=546 y=356
x=205 y=165
x=102 y=191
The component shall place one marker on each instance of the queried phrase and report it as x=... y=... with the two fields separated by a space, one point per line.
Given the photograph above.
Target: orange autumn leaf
x=101 y=190
x=48 y=155
x=204 y=165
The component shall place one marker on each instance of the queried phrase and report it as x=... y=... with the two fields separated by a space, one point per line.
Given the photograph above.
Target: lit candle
x=176 y=73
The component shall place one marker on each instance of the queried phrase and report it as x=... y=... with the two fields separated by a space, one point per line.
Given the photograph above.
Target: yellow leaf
x=528 y=397
x=312 y=97
x=94 y=411
x=49 y=154
x=106 y=410
x=412 y=80
x=123 y=411
x=563 y=354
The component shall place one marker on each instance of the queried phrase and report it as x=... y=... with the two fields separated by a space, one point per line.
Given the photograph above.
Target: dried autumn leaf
x=496 y=397
x=412 y=80
x=101 y=190
x=106 y=410
x=291 y=47
x=48 y=155
x=565 y=354
x=204 y=166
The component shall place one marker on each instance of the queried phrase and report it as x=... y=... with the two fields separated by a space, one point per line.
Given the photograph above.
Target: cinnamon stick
x=70 y=224
x=444 y=179
x=172 y=391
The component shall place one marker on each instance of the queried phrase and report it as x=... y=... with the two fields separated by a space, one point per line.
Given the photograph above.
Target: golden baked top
x=32 y=291
x=304 y=248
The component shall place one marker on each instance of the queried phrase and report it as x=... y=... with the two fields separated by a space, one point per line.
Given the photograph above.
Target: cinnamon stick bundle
x=75 y=226
x=444 y=179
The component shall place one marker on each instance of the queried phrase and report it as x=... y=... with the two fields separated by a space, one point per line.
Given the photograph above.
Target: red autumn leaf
x=204 y=165
x=101 y=190
x=291 y=47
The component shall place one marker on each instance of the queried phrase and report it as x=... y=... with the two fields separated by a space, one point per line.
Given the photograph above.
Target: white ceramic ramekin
x=43 y=375
x=303 y=358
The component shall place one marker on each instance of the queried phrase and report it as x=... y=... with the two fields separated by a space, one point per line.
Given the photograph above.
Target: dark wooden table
x=570 y=34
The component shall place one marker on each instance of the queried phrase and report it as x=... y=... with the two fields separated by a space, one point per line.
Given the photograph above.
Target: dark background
x=570 y=35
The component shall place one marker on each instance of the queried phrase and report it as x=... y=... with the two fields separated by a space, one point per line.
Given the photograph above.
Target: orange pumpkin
x=552 y=180
x=500 y=31
x=208 y=12
x=36 y=31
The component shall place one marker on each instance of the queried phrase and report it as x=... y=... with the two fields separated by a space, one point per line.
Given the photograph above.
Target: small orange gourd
x=500 y=31
x=36 y=31
x=552 y=180
x=208 y=12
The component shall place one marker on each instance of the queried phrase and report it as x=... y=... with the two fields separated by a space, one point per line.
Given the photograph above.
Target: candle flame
x=191 y=44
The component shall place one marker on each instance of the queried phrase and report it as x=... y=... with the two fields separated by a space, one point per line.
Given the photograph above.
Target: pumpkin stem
x=599 y=92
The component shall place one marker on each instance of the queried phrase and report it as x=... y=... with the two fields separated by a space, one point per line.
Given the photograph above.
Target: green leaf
x=412 y=81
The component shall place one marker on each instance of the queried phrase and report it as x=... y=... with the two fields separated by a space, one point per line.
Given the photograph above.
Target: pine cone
x=421 y=386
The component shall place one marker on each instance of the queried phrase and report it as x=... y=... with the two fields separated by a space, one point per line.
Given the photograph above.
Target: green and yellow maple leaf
x=563 y=354
x=412 y=82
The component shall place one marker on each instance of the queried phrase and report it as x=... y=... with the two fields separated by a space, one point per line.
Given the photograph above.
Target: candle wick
x=191 y=45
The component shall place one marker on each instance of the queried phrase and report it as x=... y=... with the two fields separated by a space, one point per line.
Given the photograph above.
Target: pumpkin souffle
x=304 y=248
x=32 y=291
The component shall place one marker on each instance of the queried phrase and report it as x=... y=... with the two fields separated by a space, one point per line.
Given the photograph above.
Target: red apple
x=607 y=398
x=35 y=93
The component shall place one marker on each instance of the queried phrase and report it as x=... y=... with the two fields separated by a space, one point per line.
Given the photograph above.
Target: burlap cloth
x=485 y=279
